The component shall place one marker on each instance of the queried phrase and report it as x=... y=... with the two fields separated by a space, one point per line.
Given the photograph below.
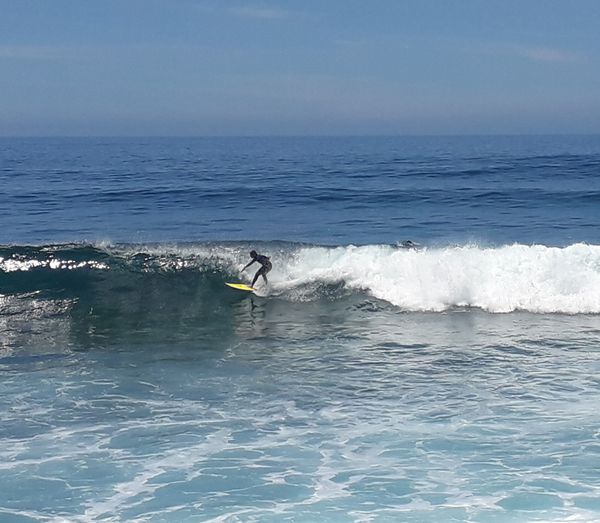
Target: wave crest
x=533 y=278
x=517 y=277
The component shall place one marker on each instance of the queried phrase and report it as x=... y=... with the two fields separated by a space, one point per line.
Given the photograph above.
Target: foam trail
x=517 y=277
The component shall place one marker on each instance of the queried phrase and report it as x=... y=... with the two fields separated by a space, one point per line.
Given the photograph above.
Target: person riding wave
x=266 y=266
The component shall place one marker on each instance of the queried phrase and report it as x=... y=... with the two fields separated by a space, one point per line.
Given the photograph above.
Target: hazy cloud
x=545 y=54
x=532 y=53
x=29 y=52
x=268 y=13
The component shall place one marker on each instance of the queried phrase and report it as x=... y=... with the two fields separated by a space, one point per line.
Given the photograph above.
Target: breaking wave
x=533 y=278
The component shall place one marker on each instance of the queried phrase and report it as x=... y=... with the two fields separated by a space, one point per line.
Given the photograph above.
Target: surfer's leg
x=260 y=272
x=263 y=272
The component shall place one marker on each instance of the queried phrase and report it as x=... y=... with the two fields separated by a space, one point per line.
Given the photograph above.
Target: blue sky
x=208 y=67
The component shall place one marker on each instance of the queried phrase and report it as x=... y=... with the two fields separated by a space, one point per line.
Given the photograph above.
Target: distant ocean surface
x=427 y=349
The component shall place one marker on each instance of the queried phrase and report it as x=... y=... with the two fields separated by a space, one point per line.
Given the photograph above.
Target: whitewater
x=516 y=277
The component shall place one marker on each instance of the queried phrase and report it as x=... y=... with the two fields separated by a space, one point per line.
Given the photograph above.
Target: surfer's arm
x=248 y=265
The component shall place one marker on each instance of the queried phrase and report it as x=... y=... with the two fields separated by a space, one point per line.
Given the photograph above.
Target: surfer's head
x=253 y=254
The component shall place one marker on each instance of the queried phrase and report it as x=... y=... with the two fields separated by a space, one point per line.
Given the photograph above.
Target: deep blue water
x=451 y=379
x=317 y=190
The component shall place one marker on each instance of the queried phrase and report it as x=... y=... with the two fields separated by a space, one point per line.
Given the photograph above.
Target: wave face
x=517 y=277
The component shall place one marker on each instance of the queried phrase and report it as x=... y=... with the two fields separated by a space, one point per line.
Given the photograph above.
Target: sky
x=298 y=67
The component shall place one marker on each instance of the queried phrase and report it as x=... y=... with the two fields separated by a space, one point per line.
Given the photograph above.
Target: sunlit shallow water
x=358 y=414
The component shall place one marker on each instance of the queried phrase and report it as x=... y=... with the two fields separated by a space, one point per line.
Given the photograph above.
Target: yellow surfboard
x=241 y=286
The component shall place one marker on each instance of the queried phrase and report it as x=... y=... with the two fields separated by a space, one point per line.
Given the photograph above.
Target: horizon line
x=247 y=136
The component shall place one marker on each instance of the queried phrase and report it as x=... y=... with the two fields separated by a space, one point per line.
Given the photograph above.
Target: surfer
x=266 y=266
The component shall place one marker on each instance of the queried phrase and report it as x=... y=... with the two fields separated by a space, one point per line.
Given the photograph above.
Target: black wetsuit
x=266 y=267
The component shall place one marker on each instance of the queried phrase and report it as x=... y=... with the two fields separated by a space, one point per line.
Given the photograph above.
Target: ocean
x=427 y=348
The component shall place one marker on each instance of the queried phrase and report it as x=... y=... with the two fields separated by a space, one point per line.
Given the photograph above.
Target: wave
x=502 y=279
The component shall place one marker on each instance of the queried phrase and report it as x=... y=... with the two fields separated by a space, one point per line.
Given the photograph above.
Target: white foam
x=534 y=278
x=13 y=265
